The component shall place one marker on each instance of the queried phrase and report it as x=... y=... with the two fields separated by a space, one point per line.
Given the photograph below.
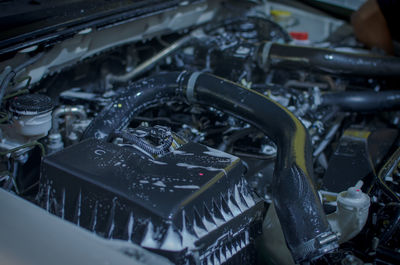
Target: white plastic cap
x=353 y=198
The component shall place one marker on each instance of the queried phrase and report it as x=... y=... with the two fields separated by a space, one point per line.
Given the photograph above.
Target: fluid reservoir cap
x=353 y=198
x=31 y=104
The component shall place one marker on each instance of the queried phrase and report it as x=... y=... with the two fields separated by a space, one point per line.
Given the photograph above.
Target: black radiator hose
x=326 y=61
x=307 y=232
x=362 y=101
x=139 y=96
x=300 y=213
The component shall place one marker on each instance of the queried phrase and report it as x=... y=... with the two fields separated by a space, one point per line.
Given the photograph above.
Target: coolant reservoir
x=347 y=221
x=351 y=214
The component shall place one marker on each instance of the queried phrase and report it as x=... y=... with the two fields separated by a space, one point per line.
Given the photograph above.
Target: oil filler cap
x=31 y=104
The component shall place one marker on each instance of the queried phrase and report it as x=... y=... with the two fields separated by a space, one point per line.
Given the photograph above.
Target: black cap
x=31 y=104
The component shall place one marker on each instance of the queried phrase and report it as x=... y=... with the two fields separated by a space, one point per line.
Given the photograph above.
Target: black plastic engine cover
x=192 y=203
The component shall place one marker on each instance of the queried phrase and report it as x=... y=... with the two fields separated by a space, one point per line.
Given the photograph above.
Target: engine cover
x=190 y=204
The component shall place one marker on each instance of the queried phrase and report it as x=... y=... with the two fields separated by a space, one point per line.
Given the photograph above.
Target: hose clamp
x=190 y=86
x=265 y=54
x=315 y=247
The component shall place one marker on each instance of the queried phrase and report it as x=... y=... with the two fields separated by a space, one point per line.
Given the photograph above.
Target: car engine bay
x=208 y=135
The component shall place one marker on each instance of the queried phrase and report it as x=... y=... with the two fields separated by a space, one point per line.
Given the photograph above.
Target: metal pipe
x=149 y=63
x=304 y=85
x=66 y=110
x=328 y=137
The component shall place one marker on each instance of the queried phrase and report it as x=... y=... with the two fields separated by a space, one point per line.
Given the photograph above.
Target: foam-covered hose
x=297 y=204
x=303 y=220
x=145 y=146
x=326 y=60
x=363 y=101
x=139 y=96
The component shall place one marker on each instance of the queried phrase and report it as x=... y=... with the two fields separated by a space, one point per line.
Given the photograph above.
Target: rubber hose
x=362 y=101
x=150 y=149
x=4 y=85
x=298 y=206
x=14 y=72
x=137 y=97
x=326 y=60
